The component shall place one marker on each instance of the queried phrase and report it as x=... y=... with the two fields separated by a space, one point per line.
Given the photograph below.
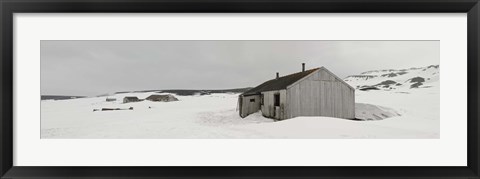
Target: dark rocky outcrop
x=386 y=84
x=367 y=88
x=416 y=82
x=389 y=75
x=162 y=98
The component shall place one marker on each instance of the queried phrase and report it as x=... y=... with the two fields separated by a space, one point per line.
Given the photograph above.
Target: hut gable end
x=323 y=74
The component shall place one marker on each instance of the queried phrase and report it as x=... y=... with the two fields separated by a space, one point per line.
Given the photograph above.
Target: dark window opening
x=252 y=100
x=276 y=99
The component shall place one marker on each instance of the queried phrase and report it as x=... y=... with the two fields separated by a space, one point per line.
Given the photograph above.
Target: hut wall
x=320 y=94
x=248 y=106
x=268 y=108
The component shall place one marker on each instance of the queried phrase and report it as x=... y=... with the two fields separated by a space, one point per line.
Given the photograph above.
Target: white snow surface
x=414 y=113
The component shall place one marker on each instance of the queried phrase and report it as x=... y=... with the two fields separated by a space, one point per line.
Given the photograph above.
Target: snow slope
x=423 y=77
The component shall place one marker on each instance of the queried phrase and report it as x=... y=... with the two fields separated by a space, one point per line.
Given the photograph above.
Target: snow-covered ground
x=215 y=116
x=401 y=112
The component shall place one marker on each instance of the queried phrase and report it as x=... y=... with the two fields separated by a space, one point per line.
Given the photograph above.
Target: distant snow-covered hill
x=391 y=79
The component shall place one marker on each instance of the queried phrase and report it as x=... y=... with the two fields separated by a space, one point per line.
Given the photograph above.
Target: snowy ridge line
x=403 y=79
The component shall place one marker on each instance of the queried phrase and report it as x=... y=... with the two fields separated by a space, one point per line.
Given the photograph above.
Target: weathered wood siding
x=268 y=108
x=320 y=94
x=248 y=107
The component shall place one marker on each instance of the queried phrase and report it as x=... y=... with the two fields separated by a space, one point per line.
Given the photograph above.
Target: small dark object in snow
x=112 y=109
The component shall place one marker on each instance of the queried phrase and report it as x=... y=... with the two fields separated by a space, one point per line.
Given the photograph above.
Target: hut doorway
x=276 y=99
x=276 y=105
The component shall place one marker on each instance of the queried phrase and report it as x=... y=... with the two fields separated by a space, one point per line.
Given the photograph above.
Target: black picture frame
x=9 y=7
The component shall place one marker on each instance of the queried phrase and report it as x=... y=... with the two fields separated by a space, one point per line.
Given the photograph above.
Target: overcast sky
x=97 y=67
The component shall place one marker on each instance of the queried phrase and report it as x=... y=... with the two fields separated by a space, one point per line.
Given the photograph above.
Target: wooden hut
x=110 y=99
x=129 y=99
x=314 y=92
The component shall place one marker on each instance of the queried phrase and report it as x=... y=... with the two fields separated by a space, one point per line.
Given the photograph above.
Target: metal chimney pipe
x=303 y=67
x=277 y=75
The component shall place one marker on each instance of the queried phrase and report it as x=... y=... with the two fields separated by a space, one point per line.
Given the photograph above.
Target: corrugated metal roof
x=280 y=83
